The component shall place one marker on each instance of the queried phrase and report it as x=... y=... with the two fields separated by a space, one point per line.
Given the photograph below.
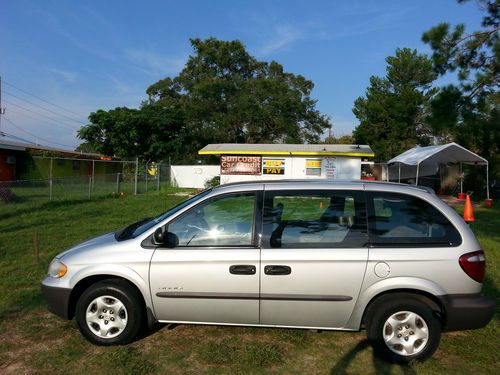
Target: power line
x=43 y=100
x=40 y=120
x=45 y=109
x=34 y=135
x=43 y=115
x=3 y=134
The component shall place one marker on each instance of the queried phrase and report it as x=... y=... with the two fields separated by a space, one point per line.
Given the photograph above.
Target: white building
x=254 y=162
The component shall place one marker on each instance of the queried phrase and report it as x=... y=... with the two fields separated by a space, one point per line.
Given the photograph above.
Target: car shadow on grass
x=379 y=365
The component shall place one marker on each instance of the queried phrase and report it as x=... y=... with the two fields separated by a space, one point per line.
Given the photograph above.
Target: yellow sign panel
x=313 y=163
x=274 y=163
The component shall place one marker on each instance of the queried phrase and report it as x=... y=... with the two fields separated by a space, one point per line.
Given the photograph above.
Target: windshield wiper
x=126 y=232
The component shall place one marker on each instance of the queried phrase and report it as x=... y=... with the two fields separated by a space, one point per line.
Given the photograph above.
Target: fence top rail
x=94 y=160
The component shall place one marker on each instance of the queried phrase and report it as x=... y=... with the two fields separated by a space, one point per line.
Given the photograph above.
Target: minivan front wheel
x=403 y=330
x=109 y=313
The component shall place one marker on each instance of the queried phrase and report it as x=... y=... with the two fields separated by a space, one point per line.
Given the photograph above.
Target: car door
x=213 y=273
x=314 y=256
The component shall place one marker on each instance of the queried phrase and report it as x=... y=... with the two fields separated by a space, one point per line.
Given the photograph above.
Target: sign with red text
x=240 y=164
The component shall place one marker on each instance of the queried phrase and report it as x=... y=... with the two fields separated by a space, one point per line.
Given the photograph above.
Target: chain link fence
x=69 y=179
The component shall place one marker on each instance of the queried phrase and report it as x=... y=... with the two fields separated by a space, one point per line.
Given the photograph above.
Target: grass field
x=34 y=341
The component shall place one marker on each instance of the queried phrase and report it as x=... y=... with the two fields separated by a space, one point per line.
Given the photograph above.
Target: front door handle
x=277 y=270
x=242 y=269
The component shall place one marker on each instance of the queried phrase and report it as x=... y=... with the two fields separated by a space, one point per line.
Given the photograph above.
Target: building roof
x=286 y=149
x=20 y=146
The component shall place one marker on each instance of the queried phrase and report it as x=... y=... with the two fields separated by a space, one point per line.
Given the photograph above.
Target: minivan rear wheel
x=403 y=330
x=109 y=312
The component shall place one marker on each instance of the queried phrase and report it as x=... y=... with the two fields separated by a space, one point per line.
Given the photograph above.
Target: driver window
x=222 y=221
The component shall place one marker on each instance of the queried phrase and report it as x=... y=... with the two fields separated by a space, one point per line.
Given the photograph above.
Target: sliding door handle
x=277 y=270
x=243 y=269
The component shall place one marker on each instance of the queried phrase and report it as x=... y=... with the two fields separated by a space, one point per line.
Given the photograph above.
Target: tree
x=223 y=95
x=86 y=148
x=229 y=96
x=148 y=133
x=342 y=140
x=467 y=112
x=392 y=114
x=476 y=53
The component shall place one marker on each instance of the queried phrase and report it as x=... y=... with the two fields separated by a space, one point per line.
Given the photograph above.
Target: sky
x=61 y=60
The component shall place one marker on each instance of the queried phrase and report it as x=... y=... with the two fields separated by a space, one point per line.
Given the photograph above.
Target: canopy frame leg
x=416 y=180
x=487 y=181
x=461 y=180
x=399 y=172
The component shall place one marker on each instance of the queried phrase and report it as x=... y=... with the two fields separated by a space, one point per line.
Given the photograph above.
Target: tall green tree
x=467 y=112
x=223 y=95
x=393 y=112
x=149 y=133
x=229 y=96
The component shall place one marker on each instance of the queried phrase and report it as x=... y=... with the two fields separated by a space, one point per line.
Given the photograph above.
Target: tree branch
x=487 y=32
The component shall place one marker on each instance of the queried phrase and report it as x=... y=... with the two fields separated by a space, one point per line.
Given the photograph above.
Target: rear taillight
x=474 y=265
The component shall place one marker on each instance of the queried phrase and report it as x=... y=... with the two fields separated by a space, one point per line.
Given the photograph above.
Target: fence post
x=158 y=169
x=50 y=180
x=136 y=172
x=93 y=173
x=90 y=186
x=118 y=183
x=169 y=173
x=147 y=176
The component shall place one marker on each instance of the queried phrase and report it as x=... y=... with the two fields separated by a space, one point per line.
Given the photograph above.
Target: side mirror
x=168 y=239
x=159 y=236
x=171 y=239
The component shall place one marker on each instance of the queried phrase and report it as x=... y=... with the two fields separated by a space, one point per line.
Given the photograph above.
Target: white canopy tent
x=427 y=160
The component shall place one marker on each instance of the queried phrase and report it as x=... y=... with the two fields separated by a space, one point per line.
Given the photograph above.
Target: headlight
x=57 y=269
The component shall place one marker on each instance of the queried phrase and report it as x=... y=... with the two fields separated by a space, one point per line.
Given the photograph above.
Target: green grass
x=34 y=341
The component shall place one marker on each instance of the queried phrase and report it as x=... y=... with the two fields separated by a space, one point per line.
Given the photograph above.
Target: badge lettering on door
x=171 y=288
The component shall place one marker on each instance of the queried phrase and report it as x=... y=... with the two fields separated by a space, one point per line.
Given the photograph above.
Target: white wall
x=192 y=176
x=345 y=168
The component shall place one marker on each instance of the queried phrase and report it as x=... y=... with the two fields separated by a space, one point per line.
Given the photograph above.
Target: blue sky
x=87 y=55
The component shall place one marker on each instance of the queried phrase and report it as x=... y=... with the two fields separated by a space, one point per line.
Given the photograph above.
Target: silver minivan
x=389 y=258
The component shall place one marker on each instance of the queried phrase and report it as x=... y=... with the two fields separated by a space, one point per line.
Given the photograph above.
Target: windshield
x=138 y=228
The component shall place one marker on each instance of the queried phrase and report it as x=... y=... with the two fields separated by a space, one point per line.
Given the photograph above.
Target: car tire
x=110 y=312
x=402 y=329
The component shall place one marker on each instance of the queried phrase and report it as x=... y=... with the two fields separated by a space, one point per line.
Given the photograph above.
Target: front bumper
x=57 y=299
x=467 y=311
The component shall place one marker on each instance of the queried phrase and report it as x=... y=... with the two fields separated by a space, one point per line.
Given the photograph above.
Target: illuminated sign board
x=273 y=166
x=240 y=164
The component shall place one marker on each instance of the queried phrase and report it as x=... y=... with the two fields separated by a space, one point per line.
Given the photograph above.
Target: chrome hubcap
x=106 y=316
x=405 y=333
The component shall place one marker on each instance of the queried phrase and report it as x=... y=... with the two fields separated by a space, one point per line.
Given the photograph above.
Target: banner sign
x=240 y=164
x=273 y=166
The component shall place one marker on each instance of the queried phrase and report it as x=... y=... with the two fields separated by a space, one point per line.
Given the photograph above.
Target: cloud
x=69 y=77
x=155 y=63
x=283 y=38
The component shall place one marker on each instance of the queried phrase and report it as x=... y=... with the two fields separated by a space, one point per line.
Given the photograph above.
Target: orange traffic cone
x=468 y=214
x=321 y=204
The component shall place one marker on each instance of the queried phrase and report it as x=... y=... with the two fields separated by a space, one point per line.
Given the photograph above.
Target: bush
x=212 y=182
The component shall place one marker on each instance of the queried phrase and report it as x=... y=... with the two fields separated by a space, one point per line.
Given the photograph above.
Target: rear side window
x=314 y=219
x=403 y=220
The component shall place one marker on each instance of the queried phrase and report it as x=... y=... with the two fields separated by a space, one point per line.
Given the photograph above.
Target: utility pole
x=2 y=110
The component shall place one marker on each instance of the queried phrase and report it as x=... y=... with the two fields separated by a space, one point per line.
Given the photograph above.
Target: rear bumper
x=467 y=311
x=57 y=300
